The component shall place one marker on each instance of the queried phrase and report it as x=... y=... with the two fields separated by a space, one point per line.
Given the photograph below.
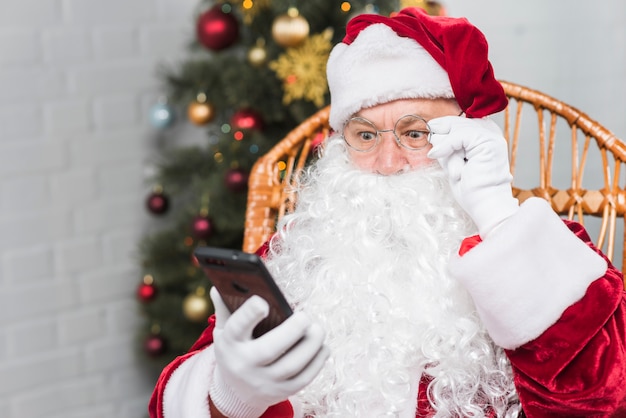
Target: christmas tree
x=255 y=71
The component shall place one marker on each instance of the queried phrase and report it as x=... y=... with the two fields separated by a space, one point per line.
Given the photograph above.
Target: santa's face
x=366 y=255
x=388 y=157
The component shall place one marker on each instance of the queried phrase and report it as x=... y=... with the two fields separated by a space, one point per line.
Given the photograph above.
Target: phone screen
x=237 y=276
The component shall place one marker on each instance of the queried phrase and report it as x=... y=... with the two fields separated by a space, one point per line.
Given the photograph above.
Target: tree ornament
x=161 y=115
x=249 y=9
x=217 y=29
x=154 y=345
x=433 y=8
x=303 y=69
x=202 y=226
x=290 y=29
x=196 y=306
x=200 y=111
x=257 y=55
x=146 y=291
x=247 y=119
x=236 y=179
x=157 y=203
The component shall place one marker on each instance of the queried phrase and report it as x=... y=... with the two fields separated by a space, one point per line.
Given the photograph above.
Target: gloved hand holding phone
x=253 y=374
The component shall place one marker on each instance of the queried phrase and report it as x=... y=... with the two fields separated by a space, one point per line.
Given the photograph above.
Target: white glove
x=475 y=156
x=253 y=374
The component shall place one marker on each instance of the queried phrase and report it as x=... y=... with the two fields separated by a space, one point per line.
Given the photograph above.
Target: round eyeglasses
x=411 y=132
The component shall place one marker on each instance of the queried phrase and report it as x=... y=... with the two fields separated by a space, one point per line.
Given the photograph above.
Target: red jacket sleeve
x=577 y=367
x=155 y=407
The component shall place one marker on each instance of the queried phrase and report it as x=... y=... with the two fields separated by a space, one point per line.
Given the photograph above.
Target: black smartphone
x=237 y=276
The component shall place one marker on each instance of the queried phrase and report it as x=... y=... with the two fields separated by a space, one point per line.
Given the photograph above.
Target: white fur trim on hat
x=377 y=67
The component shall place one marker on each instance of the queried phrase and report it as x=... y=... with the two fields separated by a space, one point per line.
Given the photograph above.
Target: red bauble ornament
x=154 y=345
x=236 y=179
x=146 y=292
x=247 y=119
x=202 y=227
x=157 y=203
x=217 y=30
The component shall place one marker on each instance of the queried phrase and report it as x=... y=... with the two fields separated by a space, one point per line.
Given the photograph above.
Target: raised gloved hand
x=474 y=154
x=253 y=374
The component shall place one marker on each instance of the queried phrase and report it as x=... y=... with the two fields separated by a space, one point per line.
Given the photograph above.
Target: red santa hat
x=411 y=55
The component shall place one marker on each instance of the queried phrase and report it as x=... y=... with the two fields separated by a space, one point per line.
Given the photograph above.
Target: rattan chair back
x=570 y=159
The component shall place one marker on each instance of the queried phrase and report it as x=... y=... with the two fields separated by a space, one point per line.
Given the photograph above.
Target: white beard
x=366 y=257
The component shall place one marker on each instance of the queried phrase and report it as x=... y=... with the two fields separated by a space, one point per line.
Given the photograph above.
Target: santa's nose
x=391 y=157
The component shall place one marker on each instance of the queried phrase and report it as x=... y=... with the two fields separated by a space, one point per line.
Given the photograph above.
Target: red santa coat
x=574 y=367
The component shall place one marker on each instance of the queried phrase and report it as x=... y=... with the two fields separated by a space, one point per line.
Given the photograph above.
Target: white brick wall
x=76 y=80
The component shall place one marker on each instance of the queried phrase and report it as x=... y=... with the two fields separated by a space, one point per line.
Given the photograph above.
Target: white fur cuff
x=526 y=273
x=187 y=391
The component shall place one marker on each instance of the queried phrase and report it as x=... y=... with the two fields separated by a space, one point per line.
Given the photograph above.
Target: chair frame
x=271 y=195
x=574 y=203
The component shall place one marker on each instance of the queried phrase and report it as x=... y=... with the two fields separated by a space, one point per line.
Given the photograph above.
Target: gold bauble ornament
x=291 y=29
x=200 y=112
x=196 y=306
x=257 y=55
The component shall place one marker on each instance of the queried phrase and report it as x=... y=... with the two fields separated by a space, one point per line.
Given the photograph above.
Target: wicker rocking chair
x=573 y=161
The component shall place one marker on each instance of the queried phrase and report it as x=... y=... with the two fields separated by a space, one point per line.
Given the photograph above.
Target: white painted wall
x=570 y=49
x=76 y=80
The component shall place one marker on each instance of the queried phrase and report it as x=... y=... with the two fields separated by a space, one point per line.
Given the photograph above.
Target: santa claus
x=420 y=286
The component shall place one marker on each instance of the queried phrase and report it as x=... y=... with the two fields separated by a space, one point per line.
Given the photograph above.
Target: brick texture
x=74 y=140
